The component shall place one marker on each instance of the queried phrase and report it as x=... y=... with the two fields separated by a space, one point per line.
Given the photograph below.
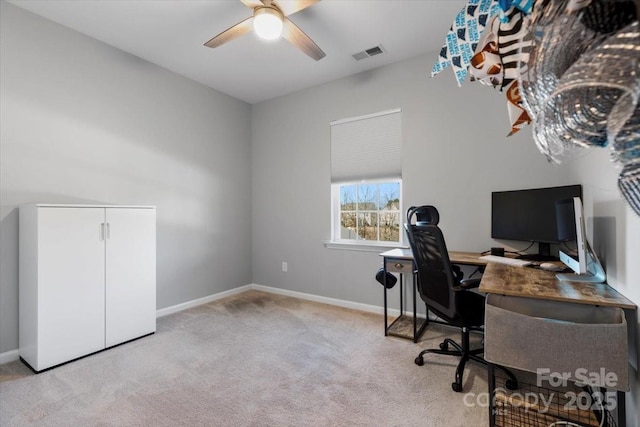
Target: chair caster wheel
x=419 y=361
x=456 y=387
x=444 y=346
x=511 y=384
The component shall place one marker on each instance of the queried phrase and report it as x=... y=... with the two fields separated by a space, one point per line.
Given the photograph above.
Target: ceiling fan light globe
x=267 y=23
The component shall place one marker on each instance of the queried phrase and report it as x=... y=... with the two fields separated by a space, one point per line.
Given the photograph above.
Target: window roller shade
x=366 y=147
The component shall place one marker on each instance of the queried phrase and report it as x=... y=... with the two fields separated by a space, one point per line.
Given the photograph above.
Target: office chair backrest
x=423 y=215
x=435 y=276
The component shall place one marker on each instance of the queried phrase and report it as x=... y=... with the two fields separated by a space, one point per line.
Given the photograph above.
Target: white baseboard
x=310 y=297
x=253 y=286
x=317 y=298
x=12 y=355
x=332 y=301
x=9 y=356
x=204 y=300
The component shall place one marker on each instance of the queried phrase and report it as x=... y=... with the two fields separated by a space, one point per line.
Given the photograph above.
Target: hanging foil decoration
x=586 y=94
x=564 y=31
x=463 y=37
x=525 y=6
x=503 y=48
x=629 y=185
x=517 y=114
x=486 y=64
x=623 y=125
x=571 y=65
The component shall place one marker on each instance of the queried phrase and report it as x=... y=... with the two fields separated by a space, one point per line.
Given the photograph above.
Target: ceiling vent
x=373 y=51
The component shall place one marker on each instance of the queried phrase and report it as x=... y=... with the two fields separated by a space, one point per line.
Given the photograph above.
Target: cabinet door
x=70 y=284
x=130 y=273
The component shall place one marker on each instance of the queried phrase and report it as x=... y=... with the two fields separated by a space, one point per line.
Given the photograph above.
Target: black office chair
x=445 y=292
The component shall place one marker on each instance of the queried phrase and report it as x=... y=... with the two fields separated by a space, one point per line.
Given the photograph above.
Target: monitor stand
x=544 y=254
x=537 y=257
x=595 y=273
x=598 y=277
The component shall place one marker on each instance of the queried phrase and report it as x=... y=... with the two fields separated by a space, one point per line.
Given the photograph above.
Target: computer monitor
x=530 y=215
x=575 y=251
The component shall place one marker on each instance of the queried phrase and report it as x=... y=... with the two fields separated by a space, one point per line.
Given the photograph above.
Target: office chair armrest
x=467 y=284
x=457 y=272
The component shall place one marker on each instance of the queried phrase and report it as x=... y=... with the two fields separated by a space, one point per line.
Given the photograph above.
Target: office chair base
x=464 y=354
x=512 y=384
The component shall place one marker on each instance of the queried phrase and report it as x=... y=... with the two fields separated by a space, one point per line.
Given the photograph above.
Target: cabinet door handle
x=398 y=265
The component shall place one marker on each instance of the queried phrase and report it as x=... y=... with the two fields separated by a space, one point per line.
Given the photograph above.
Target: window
x=366 y=179
x=368 y=211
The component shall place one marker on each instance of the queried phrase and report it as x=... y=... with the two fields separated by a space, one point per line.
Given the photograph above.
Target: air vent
x=373 y=51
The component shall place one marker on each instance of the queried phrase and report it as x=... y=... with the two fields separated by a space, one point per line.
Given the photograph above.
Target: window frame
x=336 y=238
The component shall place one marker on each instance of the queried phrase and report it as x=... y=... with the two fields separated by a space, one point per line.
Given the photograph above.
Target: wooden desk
x=400 y=261
x=529 y=282
x=466 y=258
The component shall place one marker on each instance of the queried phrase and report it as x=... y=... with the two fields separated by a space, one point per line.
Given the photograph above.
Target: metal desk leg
x=492 y=389
x=385 y=304
x=402 y=325
x=622 y=409
x=417 y=332
x=401 y=296
x=415 y=315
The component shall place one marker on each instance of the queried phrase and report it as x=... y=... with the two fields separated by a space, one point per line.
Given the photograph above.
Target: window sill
x=363 y=247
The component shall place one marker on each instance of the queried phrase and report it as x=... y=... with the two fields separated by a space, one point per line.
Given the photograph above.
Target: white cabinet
x=87 y=279
x=130 y=292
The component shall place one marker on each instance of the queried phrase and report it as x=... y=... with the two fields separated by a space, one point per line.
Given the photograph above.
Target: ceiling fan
x=270 y=21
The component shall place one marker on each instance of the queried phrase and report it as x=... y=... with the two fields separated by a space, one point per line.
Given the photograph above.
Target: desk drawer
x=399 y=265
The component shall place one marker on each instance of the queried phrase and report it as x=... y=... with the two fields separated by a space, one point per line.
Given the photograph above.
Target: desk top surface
x=456 y=257
x=534 y=283
x=400 y=253
x=531 y=282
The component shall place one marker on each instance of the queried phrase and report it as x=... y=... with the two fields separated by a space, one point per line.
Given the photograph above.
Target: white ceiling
x=171 y=33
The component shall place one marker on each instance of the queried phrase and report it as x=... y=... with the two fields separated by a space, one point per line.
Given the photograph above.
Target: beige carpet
x=254 y=359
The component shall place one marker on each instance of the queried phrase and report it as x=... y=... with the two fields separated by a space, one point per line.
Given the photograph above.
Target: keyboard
x=504 y=260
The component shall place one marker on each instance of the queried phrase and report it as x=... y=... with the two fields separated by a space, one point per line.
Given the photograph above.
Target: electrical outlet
x=284 y=266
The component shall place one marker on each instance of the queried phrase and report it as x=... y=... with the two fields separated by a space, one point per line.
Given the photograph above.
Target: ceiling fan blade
x=289 y=7
x=300 y=40
x=252 y=3
x=229 y=34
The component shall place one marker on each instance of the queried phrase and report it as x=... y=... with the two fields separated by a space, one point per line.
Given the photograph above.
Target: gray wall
x=614 y=232
x=84 y=122
x=455 y=154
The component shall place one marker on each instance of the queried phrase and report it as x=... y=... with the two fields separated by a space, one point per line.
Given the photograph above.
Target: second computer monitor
x=529 y=215
x=575 y=251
